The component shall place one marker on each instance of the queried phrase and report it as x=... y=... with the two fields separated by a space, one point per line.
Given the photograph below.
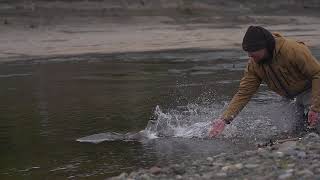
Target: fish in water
x=113 y=136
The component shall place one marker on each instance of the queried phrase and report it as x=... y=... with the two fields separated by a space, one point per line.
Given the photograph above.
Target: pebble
x=220 y=155
x=291 y=165
x=225 y=168
x=155 y=170
x=317 y=170
x=279 y=154
x=251 y=166
x=195 y=163
x=217 y=164
x=305 y=172
x=301 y=154
x=145 y=177
x=209 y=159
x=261 y=150
x=311 y=137
x=177 y=169
x=121 y=176
x=285 y=176
x=250 y=153
x=209 y=175
x=287 y=146
x=289 y=171
x=221 y=174
x=239 y=166
x=232 y=167
x=197 y=175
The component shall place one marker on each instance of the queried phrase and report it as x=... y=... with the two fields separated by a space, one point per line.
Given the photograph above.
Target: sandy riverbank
x=42 y=29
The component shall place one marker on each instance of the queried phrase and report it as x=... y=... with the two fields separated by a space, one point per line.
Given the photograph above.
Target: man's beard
x=267 y=58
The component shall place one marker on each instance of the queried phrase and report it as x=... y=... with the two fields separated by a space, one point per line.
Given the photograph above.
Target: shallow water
x=170 y=96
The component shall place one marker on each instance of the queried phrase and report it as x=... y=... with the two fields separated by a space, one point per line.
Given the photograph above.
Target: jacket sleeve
x=249 y=84
x=310 y=67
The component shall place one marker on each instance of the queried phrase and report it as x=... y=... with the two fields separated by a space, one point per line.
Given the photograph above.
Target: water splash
x=191 y=121
x=194 y=121
x=185 y=121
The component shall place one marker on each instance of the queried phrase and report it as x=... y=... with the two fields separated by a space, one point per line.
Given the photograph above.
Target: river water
x=143 y=109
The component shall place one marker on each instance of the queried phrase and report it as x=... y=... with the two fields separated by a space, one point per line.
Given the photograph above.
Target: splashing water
x=194 y=121
x=191 y=121
x=187 y=122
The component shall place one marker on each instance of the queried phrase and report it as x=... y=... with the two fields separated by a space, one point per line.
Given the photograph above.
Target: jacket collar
x=279 y=44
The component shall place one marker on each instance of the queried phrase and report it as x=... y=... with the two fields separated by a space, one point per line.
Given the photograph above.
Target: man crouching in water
x=285 y=65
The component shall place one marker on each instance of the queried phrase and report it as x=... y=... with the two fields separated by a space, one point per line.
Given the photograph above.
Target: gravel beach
x=292 y=159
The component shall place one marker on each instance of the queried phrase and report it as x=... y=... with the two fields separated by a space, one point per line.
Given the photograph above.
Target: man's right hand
x=217 y=127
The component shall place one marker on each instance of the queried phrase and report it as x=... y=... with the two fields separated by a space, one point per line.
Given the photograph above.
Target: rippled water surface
x=150 y=108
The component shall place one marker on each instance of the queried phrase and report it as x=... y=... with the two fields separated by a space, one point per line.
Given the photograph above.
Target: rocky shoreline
x=292 y=159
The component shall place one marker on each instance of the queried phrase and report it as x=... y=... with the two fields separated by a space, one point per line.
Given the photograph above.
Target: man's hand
x=217 y=127
x=313 y=118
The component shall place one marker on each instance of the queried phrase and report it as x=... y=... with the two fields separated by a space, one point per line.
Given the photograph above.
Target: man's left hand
x=313 y=118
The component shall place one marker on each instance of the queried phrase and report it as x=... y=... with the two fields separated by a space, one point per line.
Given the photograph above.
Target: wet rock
x=221 y=174
x=289 y=171
x=209 y=159
x=195 y=163
x=239 y=166
x=261 y=150
x=285 y=176
x=197 y=176
x=209 y=175
x=315 y=164
x=278 y=154
x=133 y=174
x=220 y=155
x=155 y=170
x=232 y=168
x=226 y=168
x=291 y=165
x=177 y=169
x=301 y=155
x=250 y=153
x=287 y=146
x=311 y=137
x=144 y=177
x=217 y=164
x=122 y=176
x=305 y=172
x=251 y=166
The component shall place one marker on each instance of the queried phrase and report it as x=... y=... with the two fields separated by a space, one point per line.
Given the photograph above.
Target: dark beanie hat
x=257 y=38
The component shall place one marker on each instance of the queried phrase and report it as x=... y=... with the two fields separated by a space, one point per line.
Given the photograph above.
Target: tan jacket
x=292 y=70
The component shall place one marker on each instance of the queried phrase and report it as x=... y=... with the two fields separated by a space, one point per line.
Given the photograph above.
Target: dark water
x=46 y=107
